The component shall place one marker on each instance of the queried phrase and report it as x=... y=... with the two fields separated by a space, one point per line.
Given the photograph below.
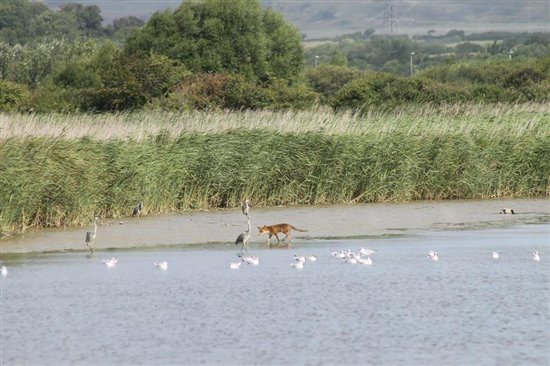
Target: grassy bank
x=62 y=170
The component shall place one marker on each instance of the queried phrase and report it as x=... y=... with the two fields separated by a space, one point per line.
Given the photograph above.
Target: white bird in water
x=311 y=258
x=161 y=265
x=433 y=256
x=495 y=255
x=297 y=265
x=235 y=265
x=299 y=258
x=4 y=271
x=536 y=256
x=367 y=261
x=110 y=262
x=251 y=260
x=367 y=252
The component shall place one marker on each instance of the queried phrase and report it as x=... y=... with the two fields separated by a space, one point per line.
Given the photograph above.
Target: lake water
x=465 y=309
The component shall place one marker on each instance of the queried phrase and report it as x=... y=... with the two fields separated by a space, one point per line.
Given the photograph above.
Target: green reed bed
x=203 y=160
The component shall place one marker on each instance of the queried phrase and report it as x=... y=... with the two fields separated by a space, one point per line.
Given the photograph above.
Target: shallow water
x=335 y=221
x=465 y=309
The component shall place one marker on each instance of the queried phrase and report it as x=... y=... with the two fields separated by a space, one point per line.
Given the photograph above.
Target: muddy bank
x=223 y=226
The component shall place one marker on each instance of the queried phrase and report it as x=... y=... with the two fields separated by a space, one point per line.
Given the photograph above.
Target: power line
x=390 y=17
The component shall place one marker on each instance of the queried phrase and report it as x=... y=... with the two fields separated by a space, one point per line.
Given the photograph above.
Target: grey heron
x=137 y=209
x=90 y=237
x=245 y=207
x=244 y=237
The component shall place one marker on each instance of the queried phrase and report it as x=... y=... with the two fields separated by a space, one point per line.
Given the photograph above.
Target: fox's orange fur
x=276 y=229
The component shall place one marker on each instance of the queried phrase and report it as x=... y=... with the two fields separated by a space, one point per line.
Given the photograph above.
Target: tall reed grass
x=60 y=170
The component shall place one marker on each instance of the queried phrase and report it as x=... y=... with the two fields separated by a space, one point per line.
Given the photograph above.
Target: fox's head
x=263 y=230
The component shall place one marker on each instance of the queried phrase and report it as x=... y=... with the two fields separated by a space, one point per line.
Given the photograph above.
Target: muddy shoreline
x=322 y=222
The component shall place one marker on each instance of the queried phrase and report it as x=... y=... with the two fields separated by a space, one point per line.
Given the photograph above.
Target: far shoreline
x=330 y=221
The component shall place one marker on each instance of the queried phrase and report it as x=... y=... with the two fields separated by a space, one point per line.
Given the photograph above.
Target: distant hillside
x=322 y=19
x=319 y=19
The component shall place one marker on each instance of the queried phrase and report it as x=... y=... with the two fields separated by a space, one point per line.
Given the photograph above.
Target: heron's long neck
x=249 y=230
x=95 y=226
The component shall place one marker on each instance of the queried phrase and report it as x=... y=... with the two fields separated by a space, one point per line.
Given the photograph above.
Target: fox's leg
x=277 y=236
x=269 y=239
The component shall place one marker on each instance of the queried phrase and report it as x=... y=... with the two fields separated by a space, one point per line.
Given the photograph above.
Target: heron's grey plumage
x=90 y=237
x=244 y=237
x=137 y=209
x=245 y=207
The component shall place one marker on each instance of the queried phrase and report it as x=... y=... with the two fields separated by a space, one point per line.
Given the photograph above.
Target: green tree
x=224 y=36
x=455 y=33
x=393 y=67
x=285 y=56
x=338 y=59
x=114 y=81
x=16 y=17
x=55 y=25
x=123 y=27
x=32 y=63
x=88 y=18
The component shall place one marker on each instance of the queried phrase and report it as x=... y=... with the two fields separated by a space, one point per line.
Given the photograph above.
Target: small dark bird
x=507 y=211
x=137 y=209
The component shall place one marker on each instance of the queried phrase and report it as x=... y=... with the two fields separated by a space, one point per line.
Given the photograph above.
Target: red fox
x=275 y=229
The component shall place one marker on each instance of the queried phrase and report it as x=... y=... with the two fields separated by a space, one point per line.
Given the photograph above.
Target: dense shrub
x=110 y=99
x=471 y=84
x=225 y=91
x=202 y=92
x=329 y=79
x=113 y=81
x=505 y=74
x=284 y=96
x=12 y=96
x=50 y=98
x=380 y=90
